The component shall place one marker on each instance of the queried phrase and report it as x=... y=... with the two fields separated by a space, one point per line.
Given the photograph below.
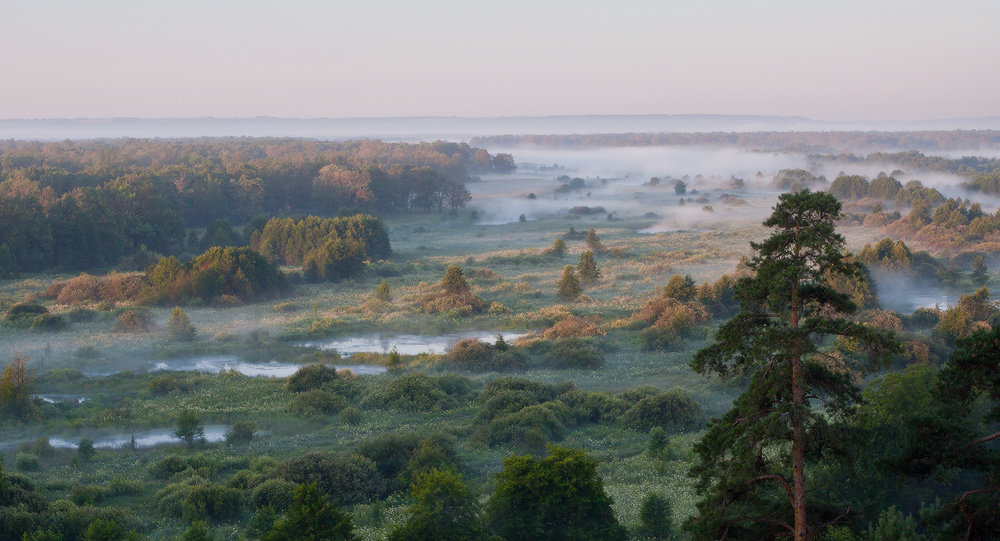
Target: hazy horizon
x=839 y=61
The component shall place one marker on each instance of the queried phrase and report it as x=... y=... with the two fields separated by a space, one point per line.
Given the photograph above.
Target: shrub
x=240 y=433
x=26 y=462
x=274 y=493
x=562 y=490
x=317 y=402
x=23 y=314
x=87 y=494
x=594 y=407
x=574 y=353
x=568 y=287
x=350 y=416
x=671 y=410
x=48 y=323
x=417 y=392
x=179 y=327
x=83 y=288
x=655 y=517
x=167 y=383
x=134 y=321
x=346 y=478
x=574 y=327
x=473 y=354
x=212 y=502
x=548 y=418
x=85 y=449
x=81 y=315
x=311 y=376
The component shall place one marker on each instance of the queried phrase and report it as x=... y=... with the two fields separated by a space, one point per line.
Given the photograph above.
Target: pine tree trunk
x=798 y=454
x=798 y=434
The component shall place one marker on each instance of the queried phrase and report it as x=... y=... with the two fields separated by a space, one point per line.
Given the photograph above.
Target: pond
x=148 y=438
x=223 y=363
x=405 y=344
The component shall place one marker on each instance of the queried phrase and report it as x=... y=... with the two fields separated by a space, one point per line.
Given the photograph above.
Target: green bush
x=240 y=433
x=417 y=392
x=316 y=402
x=48 y=323
x=655 y=517
x=350 y=416
x=274 y=493
x=87 y=494
x=574 y=353
x=672 y=411
x=197 y=499
x=346 y=478
x=167 y=383
x=311 y=376
x=26 y=462
x=476 y=355
x=24 y=313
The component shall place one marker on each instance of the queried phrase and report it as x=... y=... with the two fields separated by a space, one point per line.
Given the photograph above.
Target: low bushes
x=475 y=355
x=347 y=478
x=671 y=410
x=316 y=402
x=197 y=499
x=419 y=392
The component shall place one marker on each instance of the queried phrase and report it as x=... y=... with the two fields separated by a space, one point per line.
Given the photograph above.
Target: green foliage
x=220 y=233
x=418 y=392
x=337 y=260
x=557 y=250
x=672 y=411
x=574 y=353
x=48 y=323
x=349 y=241
x=980 y=274
x=317 y=402
x=787 y=308
x=569 y=286
x=587 y=268
x=15 y=390
x=310 y=377
x=189 y=428
x=197 y=531
x=443 y=509
x=8 y=265
x=849 y=187
x=476 y=355
x=196 y=499
x=214 y=275
x=312 y=518
x=558 y=497
x=455 y=295
x=382 y=292
x=241 y=433
x=350 y=416
x=654 y=517
x=179 y=327
x=593 y=241
x=274 y=493
x=85 y=449
x=26 y=462
x=893 y=525
x=345 y=478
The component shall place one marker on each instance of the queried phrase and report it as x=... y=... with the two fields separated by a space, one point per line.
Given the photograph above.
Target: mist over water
x=905 y=294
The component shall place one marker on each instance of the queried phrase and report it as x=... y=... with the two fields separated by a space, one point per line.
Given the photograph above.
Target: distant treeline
x=85 y=204
x=809 y=142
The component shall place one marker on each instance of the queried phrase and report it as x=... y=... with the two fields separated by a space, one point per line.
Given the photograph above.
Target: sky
x=832 y=60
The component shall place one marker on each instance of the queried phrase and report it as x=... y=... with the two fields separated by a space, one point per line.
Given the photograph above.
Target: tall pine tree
x=752 y=462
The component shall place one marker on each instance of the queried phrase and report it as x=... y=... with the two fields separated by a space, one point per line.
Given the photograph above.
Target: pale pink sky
x=836 y=60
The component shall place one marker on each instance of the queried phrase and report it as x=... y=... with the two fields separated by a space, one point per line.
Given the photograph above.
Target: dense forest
x=80 y=205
